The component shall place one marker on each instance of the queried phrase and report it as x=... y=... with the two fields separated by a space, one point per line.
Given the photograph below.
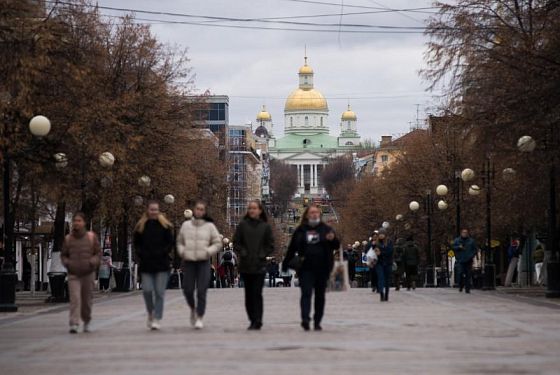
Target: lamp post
x=414 y=206
x=488 y=175
x=39 y=126
x=528 y=144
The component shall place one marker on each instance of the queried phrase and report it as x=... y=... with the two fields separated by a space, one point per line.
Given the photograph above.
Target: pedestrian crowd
x=311 y=253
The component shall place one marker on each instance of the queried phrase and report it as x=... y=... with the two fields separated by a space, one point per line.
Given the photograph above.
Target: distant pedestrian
x=411 y=259
x=384 y=266
x=197 y=242
x=228 y=262
x=398 y=260
x=351 y=256
x=253 y=241
x=105 y=271
x=153 y=241
x=81 y=255
x=513 y=253
x=538 y=259
x=310 y=253
x=372 y=274
x=465 y=250
x=273 y=273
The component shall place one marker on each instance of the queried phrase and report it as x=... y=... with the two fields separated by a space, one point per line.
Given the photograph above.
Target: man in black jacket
x=313 y=242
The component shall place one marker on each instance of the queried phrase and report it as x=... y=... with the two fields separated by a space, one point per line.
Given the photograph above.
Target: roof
x=315 y=141
x=409 y=137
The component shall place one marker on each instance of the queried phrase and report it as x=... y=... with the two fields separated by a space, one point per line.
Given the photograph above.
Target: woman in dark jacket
x=384 y=266
x=313 y=243
x=153 y=241
x=253 y=242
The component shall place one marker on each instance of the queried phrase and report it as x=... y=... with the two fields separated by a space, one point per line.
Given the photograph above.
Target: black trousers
x=254 y=283
x=465 y=275
x=311 y=282
x=104 y=284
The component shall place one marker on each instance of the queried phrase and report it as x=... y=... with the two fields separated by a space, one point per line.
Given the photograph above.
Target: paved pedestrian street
x=430 y=331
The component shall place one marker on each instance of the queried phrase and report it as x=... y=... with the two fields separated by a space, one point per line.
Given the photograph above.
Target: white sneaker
x=149 y=321
x=198 y=324
x=86 y=328
x=193 y=317
x=74 y=328
x=156 y=326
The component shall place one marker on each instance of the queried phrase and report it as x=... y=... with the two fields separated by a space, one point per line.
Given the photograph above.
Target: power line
x=361 y=6
x=233 y=19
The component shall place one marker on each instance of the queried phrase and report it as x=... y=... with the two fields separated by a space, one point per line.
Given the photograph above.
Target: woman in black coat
x=310 y=253
x=253 y=242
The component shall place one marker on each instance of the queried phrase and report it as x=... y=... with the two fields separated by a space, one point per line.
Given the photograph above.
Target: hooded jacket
x=198 y=240
x=81 y=253
x=253 y=241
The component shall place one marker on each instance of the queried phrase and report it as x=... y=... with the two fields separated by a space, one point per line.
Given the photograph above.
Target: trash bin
x=59 y=287
x=122 y=279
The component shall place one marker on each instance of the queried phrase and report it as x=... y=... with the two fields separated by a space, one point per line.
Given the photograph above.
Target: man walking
x=411 y=258
x=465 y=251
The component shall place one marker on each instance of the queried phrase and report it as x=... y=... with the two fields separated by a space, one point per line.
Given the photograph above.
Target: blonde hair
x=141 y=225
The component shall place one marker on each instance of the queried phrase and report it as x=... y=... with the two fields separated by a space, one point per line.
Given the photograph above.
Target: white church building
x=307 y=144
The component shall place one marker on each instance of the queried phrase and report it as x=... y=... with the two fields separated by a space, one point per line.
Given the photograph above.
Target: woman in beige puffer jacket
x=197 y=241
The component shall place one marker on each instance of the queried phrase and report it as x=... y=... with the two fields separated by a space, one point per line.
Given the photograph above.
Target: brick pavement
x=431 y=331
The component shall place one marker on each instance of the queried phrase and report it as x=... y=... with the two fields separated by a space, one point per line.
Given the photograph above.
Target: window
x=306 y=142
x=321 y=121
x=291 y=121
x=349 y=143
x=348 y=124
x=306 y=121
x=384 y=158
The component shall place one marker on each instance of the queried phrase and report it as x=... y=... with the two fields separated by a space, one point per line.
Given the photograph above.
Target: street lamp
x=169 y=199
x=39 y=126
x=188 y=214
x=414 y=206
x=528 y=144
x=474 y=190
x=60 y=160
x=399 y=217
x=386 y=225
x=106 y=160
x=144 y=181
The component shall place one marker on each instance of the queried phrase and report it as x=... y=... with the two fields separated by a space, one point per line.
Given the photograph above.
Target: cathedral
x=307 y=144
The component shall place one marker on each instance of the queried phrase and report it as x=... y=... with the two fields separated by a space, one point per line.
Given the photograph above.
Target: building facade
x=245 y=172
x=307 y=144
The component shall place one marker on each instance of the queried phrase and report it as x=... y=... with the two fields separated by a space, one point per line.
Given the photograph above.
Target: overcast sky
x=377 y=73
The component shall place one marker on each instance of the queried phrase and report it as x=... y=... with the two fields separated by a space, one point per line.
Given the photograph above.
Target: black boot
x=305 y=326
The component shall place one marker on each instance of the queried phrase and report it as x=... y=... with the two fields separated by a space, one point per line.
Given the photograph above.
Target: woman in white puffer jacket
x=197 y=241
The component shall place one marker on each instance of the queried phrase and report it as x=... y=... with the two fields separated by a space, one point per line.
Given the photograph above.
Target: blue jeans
x=465 y=274
x=383 y=272
x=153 y=287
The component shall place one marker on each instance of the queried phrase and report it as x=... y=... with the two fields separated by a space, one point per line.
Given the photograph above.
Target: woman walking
x=81 y=255
x=253 y=241
x=197 y=242
x=153 y=241
x=384 y=266
x=310 y=253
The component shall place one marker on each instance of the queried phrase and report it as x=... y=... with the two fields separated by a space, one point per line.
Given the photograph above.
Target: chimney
x=386 y=140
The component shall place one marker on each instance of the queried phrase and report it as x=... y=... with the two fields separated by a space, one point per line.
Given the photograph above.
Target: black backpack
x=228 y=256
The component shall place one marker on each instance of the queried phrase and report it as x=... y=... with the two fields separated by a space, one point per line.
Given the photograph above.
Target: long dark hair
x=304 y=218
x=263 y=216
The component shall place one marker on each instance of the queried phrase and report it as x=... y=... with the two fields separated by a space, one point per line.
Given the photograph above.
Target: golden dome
x=306 y=69
x=301 y=100
x=349 y=115
x=263 y=115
